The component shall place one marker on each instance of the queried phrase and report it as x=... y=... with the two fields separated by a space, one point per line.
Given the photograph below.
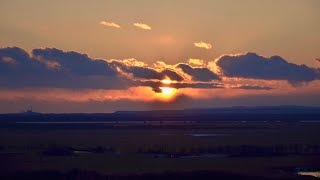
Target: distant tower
x=30 y=110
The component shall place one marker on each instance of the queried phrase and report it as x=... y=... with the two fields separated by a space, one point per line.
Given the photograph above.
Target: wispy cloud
x=202 y=44
x=142 y=26
x=109 y=24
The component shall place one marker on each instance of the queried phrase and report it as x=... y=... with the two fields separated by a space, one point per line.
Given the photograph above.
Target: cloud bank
x=251 y=65
x=54 y=76
x=51 y=67
x=54 y=68
x=198 y=74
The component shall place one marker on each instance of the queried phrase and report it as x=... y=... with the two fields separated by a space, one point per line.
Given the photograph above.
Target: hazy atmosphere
x=104 y=56
x=159 y=89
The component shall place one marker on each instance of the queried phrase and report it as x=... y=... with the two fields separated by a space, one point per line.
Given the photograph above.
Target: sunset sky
x=104 y=56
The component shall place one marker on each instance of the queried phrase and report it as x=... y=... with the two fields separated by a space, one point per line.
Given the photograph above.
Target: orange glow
x=167 y=91
x=166 y=81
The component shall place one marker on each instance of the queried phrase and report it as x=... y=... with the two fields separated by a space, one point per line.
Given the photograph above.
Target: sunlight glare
x=166 y=81
x=167 y=91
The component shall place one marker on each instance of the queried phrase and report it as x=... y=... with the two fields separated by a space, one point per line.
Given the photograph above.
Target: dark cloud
x=172 y=75
x=75 y=63
x=22 y=69
x=55 y=68
x=52 y=67
x=251 y=65
x=199 y=74
x=156 y=85
x=136 y=71
x=144 y=72
x=18 y=60
x=197 y=85
x=254 y=87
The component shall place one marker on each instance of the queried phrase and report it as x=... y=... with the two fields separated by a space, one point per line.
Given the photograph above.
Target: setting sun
x=167 y=91
x=159 y=89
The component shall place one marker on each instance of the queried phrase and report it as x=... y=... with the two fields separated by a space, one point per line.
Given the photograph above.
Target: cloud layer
x=51 y=76
x=51 y=67
x=198 y=74
x=251 y=65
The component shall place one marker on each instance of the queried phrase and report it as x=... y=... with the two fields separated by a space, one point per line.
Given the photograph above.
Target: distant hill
x=238 y=113
x=284 y=109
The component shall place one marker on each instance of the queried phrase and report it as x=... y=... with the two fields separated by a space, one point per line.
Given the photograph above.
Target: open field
x=278 y=148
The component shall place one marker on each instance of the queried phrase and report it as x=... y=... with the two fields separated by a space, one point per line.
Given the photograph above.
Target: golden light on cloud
x=166 y=81
x=202 y=44
x=214 y=67
x=109 y=24
x=142 y=26
x=198 y=62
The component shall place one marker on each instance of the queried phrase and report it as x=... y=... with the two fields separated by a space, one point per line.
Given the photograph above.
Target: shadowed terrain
x=162 y=144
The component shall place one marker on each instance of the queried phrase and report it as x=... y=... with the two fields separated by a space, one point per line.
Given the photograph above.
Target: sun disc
x=167 y=91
